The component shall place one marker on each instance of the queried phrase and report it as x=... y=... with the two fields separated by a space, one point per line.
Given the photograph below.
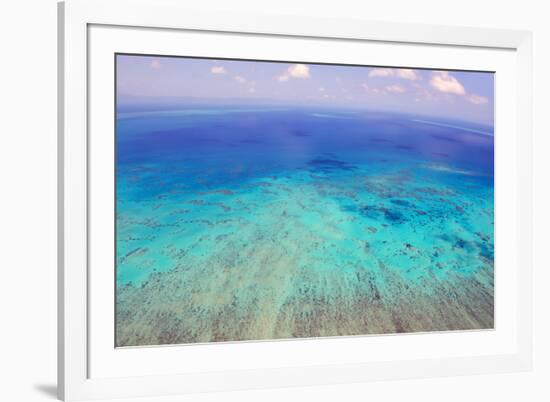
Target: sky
x=457 y=95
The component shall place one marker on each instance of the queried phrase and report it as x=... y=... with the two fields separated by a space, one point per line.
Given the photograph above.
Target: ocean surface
x=268 y=223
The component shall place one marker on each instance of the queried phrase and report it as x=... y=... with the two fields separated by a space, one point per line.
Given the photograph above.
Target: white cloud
x=445 y=82
x=403 y=73
x=295 y=71
x=155 y=64
x=407 y=74
x=218 y=70
x=395 y=89
x=298 y=71
x=477 y=99
x=373 y=90
x=247 y=84
x=381 y=72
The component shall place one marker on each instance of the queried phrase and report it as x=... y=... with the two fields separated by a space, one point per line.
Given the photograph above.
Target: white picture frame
x=79 y=379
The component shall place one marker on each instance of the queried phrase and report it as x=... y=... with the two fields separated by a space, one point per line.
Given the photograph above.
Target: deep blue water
x=210 y=147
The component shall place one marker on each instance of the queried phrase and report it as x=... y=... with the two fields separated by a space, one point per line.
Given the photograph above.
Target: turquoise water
x=248 y=224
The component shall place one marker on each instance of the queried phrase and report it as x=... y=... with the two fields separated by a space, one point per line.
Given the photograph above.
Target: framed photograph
x=252 y=201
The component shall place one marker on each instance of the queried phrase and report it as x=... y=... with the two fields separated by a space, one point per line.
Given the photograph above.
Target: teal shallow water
x=303 y=228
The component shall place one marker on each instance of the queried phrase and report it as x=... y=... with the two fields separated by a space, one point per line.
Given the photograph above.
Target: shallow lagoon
x=248 y=224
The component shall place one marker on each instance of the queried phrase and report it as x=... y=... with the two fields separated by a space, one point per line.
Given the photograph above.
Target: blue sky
x=467 y=96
